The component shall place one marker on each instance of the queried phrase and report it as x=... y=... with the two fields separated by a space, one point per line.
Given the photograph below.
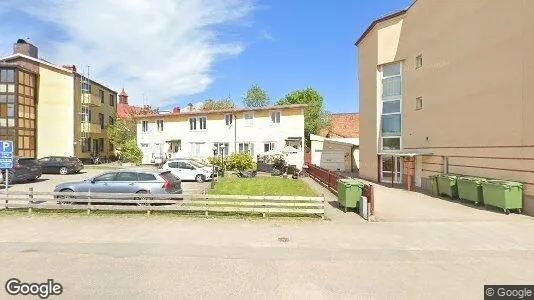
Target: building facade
x=445 y=87
x=58 y=110
x=194 y=134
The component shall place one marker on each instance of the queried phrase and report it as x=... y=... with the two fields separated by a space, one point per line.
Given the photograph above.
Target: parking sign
x=6 y=154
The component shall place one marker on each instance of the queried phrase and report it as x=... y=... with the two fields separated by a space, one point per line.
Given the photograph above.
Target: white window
x=192 y=123
x=221 y=148
x=160 y=125
x=85 y=114
x=419 y=103
x=419 y=61
x=196 y=149
x=268 y=146
x=275 y=117
x=391 y=125
x=249 y=119
x=228 y=119
x=202 y=122
x=199 y=123
x=144 y=126
x=246 y=148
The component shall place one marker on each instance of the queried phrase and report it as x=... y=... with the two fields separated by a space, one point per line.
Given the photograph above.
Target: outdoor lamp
x=222 y=158
x=213 y=168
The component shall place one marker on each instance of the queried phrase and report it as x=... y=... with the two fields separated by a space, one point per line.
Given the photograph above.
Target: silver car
x=127 y=181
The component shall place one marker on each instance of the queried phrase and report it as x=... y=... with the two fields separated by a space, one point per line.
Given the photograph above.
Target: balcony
x=91 y=100
x=90 y=128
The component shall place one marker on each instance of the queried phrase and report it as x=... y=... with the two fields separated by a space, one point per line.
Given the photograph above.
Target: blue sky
x=186 y=51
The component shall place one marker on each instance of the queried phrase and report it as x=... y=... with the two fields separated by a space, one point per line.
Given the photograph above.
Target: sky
x=168 y=53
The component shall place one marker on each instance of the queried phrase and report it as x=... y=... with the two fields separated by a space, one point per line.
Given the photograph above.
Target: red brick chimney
x=123 y=97
x=176 y=110
x=26 y=48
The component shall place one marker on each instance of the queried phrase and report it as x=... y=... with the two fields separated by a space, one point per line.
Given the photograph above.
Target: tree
x=122 y=135
x=210 y=104
x=315 y=117
x=256 y=97
x=240 y=162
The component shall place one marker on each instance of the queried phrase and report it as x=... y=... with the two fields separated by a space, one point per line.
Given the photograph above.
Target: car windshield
x=197 y=164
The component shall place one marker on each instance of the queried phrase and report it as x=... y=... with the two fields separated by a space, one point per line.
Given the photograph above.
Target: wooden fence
x=264 y=205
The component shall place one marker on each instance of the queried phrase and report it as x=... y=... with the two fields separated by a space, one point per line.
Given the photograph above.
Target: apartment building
x=51 y=109
x=445 y=86
x=196 y=133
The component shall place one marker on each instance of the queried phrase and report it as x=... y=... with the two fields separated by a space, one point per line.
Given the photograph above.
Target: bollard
x=30 y=195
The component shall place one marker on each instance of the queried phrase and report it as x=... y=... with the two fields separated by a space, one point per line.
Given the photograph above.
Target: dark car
x=24 y=169
x=60 y=164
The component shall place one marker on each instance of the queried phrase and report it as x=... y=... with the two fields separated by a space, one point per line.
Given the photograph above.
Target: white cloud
x=164 y=48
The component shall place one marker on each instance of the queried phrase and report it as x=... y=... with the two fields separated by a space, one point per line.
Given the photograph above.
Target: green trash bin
x=447 y=185
x=434 y=185
x=470 y=189
x=349 y=192
x=503 y=194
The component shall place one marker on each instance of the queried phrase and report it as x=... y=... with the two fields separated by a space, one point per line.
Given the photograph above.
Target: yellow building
x=448 y=82
x=68 y=110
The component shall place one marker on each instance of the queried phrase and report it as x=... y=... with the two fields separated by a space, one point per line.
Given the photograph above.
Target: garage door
x=333 y=160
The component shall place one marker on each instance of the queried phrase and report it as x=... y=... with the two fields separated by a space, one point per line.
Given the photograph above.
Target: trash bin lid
x=355 y=182
x=506 y=184
x=450 y=176
x=469 y=178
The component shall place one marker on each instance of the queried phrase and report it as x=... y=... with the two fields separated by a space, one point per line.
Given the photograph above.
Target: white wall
x=261 y=131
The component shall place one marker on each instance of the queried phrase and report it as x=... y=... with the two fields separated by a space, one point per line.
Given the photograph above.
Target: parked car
x=188 y=169
x=61 y=164
x=24 y=169
x=126 y=181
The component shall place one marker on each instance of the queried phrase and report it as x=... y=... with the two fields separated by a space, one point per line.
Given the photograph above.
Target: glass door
x=387 y=170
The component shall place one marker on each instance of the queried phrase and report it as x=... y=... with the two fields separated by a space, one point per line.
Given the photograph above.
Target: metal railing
x=265 y=205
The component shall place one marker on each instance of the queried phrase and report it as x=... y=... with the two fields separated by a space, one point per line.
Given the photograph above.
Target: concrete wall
x=262 y=131
x=475 y=83
x=55 y=118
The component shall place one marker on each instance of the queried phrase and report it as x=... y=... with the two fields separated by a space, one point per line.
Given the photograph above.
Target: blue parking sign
x=6 y=154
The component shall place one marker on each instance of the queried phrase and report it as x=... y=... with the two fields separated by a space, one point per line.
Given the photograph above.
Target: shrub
x=217 y=161
x=240 y=162
x=131 y=152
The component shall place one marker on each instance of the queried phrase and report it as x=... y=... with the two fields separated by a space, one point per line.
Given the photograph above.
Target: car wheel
x=200 y=178
x=142 y=200
x=66 y=197
x=63 y=171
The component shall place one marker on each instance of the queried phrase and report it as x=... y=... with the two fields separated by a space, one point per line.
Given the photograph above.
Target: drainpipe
x=235 y=133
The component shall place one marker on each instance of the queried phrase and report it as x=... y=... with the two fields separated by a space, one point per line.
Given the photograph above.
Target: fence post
x=30 y=195
x=89 y=203
x=324 y=206
x=206 y=206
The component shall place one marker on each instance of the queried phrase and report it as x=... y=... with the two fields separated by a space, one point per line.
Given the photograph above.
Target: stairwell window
x=391 y=114
x=160 y=125
x=144 y=126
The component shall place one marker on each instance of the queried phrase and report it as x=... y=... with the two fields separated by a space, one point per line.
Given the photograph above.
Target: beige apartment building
x=447 y=86
x=52 y=110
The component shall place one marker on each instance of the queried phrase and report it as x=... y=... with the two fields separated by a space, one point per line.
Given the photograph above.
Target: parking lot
x=47 y=182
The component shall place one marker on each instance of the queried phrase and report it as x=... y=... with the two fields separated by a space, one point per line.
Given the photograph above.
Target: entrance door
x=386 y=171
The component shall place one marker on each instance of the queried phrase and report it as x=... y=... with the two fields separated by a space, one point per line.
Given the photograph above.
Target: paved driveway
x=48 y=181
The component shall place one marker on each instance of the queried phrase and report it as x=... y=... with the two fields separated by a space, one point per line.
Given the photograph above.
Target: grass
x=260 y=186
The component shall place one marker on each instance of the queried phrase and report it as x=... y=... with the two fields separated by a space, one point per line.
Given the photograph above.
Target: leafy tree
x=122 y=135
x=131 y=152
x=315 y=117
x=240 y=162
x=210 y=104
x=256 y=97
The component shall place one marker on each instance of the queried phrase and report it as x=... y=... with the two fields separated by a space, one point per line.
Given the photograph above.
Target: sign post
x=6 y=161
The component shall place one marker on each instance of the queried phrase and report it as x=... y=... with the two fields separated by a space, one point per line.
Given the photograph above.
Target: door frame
x=398 y=161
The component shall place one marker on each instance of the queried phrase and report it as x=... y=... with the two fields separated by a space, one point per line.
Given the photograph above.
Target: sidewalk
x=332 y=210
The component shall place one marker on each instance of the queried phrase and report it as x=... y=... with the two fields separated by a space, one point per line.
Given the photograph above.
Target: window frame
x=419 y=103
x=275 y=113
x=419 y=61
x=144 y=126
x=101 y=121
x=390 y=99
x=229 y=121
x=111 y=100
x=241 y=148
x=249 y=122
x=218 y=145
x=271 y=146
x=159 y=128
x=102 y=95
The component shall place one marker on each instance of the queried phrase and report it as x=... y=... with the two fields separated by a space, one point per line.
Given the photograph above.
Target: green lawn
x=260 y=186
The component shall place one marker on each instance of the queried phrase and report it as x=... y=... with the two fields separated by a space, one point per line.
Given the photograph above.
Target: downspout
x=235 y=133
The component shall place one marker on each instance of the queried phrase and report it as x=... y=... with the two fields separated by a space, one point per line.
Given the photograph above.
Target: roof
x=381 y=19
x=125 y=110
x=234 y=110
x=344 y=125
x=37 y=60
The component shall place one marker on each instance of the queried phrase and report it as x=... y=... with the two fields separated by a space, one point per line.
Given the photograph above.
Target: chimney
x=70 y=67
x=23 y=47
x=123 y=97
x=190 y=107
x=176 y=110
